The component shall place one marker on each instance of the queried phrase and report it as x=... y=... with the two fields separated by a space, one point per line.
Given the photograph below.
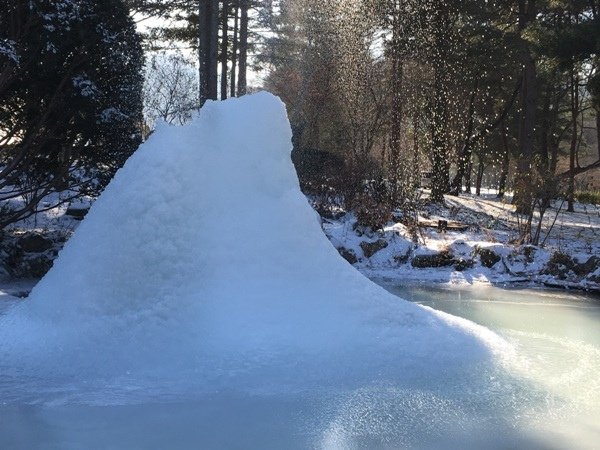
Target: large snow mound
x=203 y=262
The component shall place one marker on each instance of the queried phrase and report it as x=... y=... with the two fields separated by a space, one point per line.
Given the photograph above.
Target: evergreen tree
x=220 y=31
x=70 y=97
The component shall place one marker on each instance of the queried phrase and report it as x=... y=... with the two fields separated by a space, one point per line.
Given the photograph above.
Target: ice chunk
x=203 y=263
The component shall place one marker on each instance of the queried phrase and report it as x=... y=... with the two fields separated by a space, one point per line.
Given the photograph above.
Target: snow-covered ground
x=485 y=252
x=492 y=224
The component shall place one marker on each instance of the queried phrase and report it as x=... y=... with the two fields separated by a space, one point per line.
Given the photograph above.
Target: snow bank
x=204 y=263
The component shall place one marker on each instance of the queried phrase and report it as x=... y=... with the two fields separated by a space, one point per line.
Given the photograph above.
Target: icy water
x=556 y=335
x=551 y=400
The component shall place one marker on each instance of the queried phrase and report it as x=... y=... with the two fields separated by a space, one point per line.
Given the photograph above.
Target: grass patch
x=590 y=197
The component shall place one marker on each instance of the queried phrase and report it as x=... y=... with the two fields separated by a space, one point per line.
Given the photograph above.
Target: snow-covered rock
x=437 y=259
x=363 y=247
x=489 y=256
x=370 y=248
x=527 y=260
x=34 y=243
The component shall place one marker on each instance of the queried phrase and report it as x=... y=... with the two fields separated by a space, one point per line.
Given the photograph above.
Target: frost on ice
x=203 y=262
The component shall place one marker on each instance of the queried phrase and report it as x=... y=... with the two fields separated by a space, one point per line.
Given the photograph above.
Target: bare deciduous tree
x=170 y=89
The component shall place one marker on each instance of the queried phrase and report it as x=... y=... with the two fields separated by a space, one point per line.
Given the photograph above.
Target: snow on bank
x=483 y=253
x=203 y=261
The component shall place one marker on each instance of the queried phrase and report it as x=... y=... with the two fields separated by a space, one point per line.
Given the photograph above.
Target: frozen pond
x=551 y=400
x=556 y=335
x=236 y=324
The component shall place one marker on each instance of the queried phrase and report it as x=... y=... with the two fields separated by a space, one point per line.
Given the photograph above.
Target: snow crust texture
x=204 y=264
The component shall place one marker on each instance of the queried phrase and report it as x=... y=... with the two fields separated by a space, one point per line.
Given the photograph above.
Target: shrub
x=590 y=197
x=70 y=97
x=370 y=213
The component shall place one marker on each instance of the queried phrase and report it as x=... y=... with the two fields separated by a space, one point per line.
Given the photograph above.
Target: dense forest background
x=384 y=96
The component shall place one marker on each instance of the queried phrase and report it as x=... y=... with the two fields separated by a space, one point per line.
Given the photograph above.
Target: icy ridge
x=203 y=260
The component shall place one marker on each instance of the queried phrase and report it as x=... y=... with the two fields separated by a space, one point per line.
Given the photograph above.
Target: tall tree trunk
x=465 y=164
x=469 y=175
x=224 y=47
x=505 y=164
x=479 y=180
x=213 y=62
x=396 y=113
x=207 y=49
x=243 y=48
x=440 y=178
x=203 y=48
x=529 y=96
x=234 y=49
x=416 y=167
x=574 y=138
x=598 y=130
x=465 y=154
x=546 y=130
x=555 y=137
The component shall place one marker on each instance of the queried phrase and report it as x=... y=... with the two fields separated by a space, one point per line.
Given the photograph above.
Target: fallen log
x=443 y=225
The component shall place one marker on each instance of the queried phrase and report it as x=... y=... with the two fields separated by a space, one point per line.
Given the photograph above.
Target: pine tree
x=200 y=22
x=70 y=97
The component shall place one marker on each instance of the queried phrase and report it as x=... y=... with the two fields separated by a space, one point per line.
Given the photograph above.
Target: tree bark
x=440 y=184
x=213 y=62
x=598 y=131
x=397 y=112
x=468 y=175
x=574 y=138
x=465 y=154
x=207 y=49
x=529 y=96
x=234 y=49
x=416 y=169
x=243 y=49
x=505 y=164
x=545 y=132
x=440 y=176
x=479 y=180
x=203 y=48
x=224 y=48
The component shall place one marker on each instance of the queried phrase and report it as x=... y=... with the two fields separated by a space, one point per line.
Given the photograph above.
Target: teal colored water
x=556 y=336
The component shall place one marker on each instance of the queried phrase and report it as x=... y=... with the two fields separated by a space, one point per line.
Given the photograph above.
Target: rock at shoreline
x=370 y=248
x=34 y=243
x=463 y=264
x=34 y=265
x=588 y=267
x=348 y=255
x=527 y=260
x=441 y=259
x=488 y=257
x=29 y=255
x=78 y=212
x=560 y=266
x=594 y=277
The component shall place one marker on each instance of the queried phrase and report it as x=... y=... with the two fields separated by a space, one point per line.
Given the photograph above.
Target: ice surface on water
x=203 y=269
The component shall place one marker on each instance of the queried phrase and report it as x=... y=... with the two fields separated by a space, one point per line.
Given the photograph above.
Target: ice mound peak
x=203 y=256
